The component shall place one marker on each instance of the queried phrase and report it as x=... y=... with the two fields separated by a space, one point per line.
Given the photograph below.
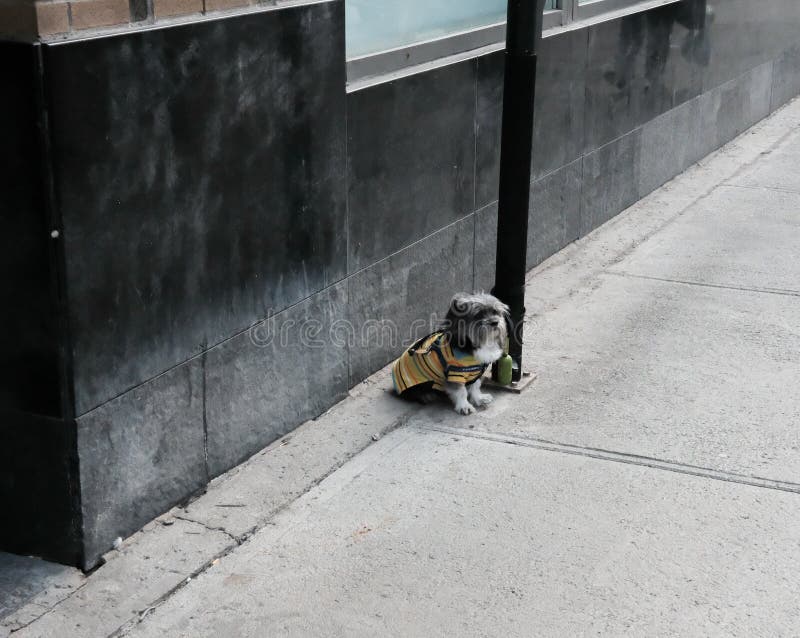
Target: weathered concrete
x=159 y=559
x=430 y=534
x=692 y=374
x=185 y=541
x=30 y=586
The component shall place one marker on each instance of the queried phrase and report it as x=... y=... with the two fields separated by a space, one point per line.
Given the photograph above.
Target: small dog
x=453 y=359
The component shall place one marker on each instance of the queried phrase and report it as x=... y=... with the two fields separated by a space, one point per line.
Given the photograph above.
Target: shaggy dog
x=453 y=359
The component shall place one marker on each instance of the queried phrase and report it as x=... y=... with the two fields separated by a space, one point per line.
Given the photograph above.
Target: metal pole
x=523 y=34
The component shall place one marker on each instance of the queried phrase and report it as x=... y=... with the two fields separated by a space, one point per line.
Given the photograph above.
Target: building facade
x=219 y=218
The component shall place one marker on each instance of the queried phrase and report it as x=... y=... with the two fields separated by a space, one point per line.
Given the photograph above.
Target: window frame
x=374 y=68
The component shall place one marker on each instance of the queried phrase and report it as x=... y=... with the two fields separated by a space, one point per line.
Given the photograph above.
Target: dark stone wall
x=29 y=368
x=200 y=174
x=227 y=208
x=199 y=171
x=38 y=460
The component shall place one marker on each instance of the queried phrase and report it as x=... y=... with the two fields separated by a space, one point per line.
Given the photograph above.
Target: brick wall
x=32 y=19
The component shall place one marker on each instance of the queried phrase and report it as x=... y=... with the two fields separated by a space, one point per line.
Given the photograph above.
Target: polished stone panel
x=29 y=377
x=553 y=222
x=200 y=174
x=690 y=49
x=744 y=34
x=485 y=247
x=554 y=215
x=726 y=111
x=628 y=79
x=559 y=110
x=669 y=145
x=398 y=300
x=786 y=77
x=411 y=156
x=488 y=119
x=560 y=101
x=266 y=381
x=139 y=455
x=610 y=181
x=743 y=102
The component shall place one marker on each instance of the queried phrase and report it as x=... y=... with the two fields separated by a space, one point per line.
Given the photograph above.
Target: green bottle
x=504 y=369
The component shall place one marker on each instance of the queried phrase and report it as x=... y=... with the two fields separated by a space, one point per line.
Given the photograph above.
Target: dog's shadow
x=435 y=406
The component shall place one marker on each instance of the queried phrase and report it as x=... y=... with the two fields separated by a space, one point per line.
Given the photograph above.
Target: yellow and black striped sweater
x=432 y=360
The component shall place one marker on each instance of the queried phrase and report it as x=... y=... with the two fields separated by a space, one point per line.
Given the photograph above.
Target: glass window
x=385 y=36
x=378 y=25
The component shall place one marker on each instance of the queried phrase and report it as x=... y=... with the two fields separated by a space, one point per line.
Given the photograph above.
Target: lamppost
x=523 y=35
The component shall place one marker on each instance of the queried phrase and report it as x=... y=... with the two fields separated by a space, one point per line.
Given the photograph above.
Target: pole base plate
x=516 y=387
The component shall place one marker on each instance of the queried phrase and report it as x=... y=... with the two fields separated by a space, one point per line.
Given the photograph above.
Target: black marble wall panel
x=670 y=143
x=554 y=215
x=200 y=174
x=628 y=81
x=266 y=381
x=742 y=102
x=744 y=34
x=485 y=247
x=559 y=104
x=786 y=77
x=401 y=298
x=553 y=222
x=38 y=460
x=560 y=101
x=488 y=120
x=139 y=455
x=610 y=181
x=411 y=156
x=39 y=487
x=29 y=377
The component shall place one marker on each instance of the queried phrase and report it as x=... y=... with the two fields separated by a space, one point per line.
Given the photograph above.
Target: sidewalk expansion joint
x=774 y=189
x=131 y=623
x=686 y=282
x=620 y=457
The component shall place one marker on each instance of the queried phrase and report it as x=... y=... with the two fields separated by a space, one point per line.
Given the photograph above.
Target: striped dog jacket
x=434 y=361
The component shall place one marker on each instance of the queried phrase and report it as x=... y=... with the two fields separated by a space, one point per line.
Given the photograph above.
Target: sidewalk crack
x=47 y=610
x=235 y=539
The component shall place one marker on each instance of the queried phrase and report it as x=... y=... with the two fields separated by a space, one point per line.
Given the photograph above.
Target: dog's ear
x=458 y=316
x=460 y=306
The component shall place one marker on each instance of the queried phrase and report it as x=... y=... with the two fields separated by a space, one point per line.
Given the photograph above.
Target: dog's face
x=478 y=323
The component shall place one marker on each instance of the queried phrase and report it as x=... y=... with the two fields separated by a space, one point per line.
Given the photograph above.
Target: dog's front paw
x=464 y=408
x=482 y=399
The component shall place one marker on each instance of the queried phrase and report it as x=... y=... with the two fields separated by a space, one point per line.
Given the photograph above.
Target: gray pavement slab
x=777 y=169
x=430 y=534
x=690 y=374
x=124 y=588
x=735 y=237
x=185 y=541
x=244 y=499
x=30 y=586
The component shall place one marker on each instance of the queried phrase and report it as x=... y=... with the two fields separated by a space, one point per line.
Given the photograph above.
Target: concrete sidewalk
x=648 y=483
